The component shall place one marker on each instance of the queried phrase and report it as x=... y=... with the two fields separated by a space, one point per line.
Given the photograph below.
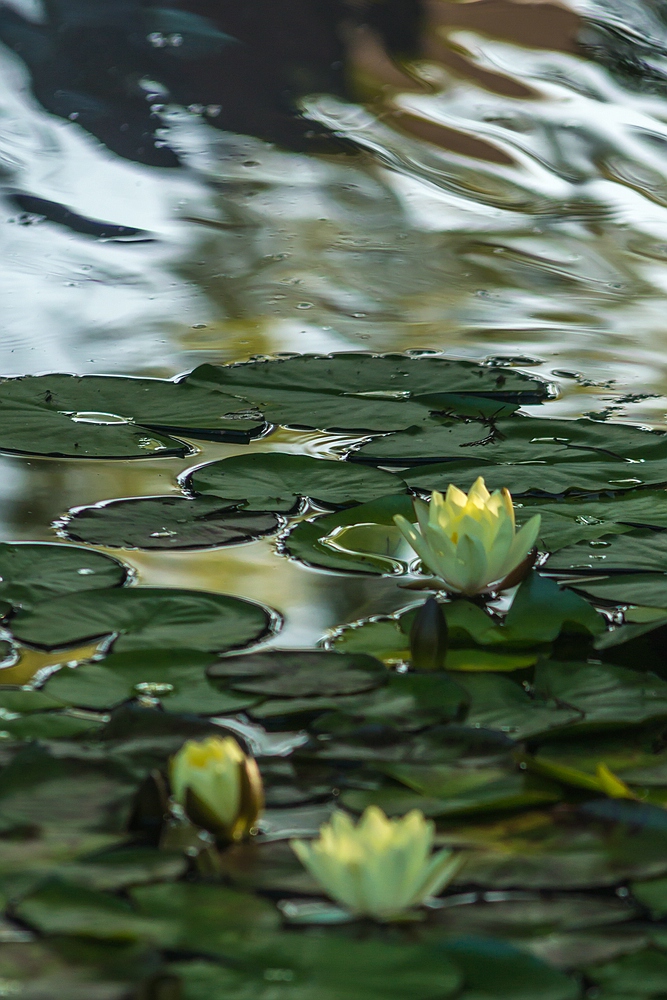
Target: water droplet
x=150 y=444
x=154 y=689
x=599 y=543
x=304 y=305
x=588 y=519
x=85 y=572
x=165 y=533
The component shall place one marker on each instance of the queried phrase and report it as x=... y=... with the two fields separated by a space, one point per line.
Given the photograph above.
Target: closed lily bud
x=469 y=541
x=219 y=787
x=379 y=867
x=428 y=637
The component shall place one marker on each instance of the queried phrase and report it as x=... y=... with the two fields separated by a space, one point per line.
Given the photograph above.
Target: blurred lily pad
x=143 y=618
x=31 y=572
x=649 y=589
x=175 y=678
x=323 y=967
x=169 y=522
x=300 y=673
x=274 y=481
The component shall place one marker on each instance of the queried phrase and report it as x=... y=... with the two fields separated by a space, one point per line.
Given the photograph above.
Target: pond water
x=486 y=180
x=503 y=195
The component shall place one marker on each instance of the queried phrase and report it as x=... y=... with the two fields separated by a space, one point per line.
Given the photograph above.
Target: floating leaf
x=640 y=551
x=649 y=589
x=517 y=439
x=169 y=522
x=327 y=968
x=324 y=542
x=541 y=611
x=274 y=481
x=175 y=678
x=361 y=391
x=35 y=571
x=156 y=404
x=63 y=908
x=143 y=618
x=300 y=673
x=605 y=694
x=582 y=475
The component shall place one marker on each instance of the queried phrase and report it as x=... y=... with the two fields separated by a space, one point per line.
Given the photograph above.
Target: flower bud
x=428 y=637
x=381 y=867
x=219 y=787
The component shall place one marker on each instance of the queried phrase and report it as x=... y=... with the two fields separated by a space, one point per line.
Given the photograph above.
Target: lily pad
x=169 y=522
x=362 y=391
x=156 y=404
x=38 y=430
x=143 y=618
x=377 y=548
x=606 y=695
x=517 y=439
x=648 y=589
x=640 y=552
x=31 y=572
x=584 y=475
x=319 y=967
x=300 y=673
x=273 y=481
x=175 y=678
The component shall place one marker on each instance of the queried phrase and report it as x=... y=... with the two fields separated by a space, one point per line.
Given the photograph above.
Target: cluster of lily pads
x=535 y=738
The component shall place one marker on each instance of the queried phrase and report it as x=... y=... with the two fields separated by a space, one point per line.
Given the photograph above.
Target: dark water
x=487 y=179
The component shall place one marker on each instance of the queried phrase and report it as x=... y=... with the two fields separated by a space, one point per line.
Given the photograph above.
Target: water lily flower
x=219 y=787
x=380 y=867
x=470 y=542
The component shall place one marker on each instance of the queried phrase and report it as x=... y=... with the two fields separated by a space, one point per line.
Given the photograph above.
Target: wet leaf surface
x=166 y=523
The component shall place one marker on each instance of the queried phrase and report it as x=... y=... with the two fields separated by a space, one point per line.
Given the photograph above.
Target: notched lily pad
x=276 y=482
x=143 y=618
x=299 y=673
x=169 y=522
x=640 y=551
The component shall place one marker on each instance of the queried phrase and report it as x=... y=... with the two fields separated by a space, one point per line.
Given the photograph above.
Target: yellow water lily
x=469 y=541
x=379 y=867
x=219 y=787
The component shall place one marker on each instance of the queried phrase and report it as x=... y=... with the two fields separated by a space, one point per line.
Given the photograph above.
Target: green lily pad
x=143 y=618
x=495 y=970
x=49 y=726
x=496 y=702
x=323 y=967
x=643 y=974
x=644 y=551
x=63 y=908
x=606 y=695
x=375 y=545
x=361 y=391
x=155 y=404
x=517 y=439
x=169 y=522
x=583 y=475
x=174 y=677
x=493 y=795
x=649 y=589
x=300 y=673
x=208 y=919
x=37 y=430
x=274 y=481
x=31 y=572
x=542 y=610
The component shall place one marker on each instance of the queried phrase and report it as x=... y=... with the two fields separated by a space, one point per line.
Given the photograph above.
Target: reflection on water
x=501 y=193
